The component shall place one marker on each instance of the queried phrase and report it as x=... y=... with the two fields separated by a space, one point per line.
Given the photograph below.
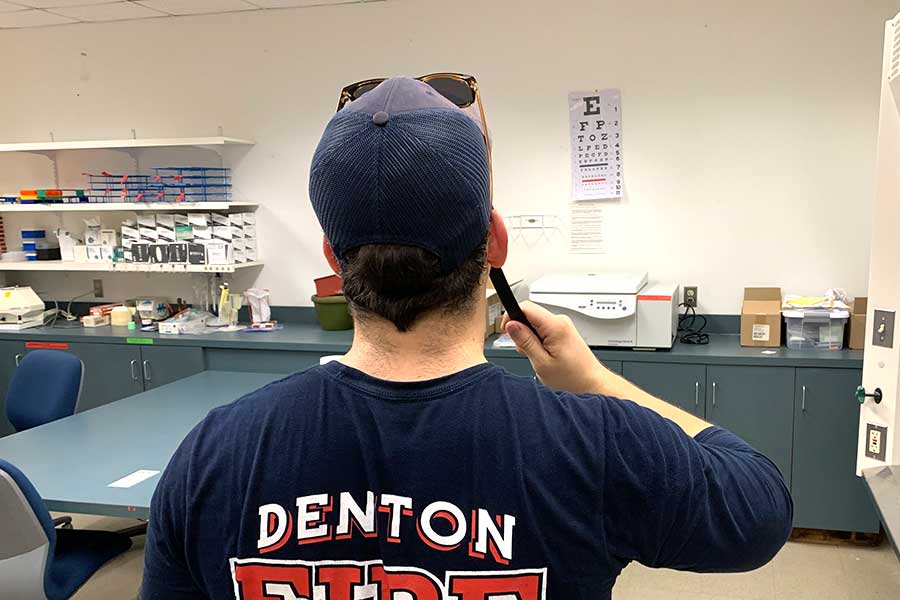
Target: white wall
x=749 y=127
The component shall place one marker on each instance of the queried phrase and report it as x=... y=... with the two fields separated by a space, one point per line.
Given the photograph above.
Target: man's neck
x=436 y=346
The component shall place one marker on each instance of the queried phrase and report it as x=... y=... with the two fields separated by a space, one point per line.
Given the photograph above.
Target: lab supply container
x=194 y=184
x=333 y=313
x=328 y=286
x=815 y=329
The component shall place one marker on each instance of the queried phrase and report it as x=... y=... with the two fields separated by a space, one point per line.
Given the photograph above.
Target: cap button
x=380 y=118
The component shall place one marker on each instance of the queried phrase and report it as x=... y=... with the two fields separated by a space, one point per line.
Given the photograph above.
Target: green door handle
x=861 y=395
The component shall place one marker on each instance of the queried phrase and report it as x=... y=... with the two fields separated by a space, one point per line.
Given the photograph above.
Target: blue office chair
x=45 y=387
x=37 y=560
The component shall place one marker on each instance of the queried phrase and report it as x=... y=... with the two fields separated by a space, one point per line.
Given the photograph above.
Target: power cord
x=691 y=333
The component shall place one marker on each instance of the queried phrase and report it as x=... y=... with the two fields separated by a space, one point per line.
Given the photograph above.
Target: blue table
x=72 y=461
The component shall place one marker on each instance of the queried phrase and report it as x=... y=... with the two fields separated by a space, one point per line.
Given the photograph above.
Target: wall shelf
x=124 y=144
x=128 y=206
x=56 y=265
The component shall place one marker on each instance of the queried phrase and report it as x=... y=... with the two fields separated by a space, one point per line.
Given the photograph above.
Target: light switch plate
x=883 y=328
x=876 y=441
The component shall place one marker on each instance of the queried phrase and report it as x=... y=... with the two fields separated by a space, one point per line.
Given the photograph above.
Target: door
x=9 y=353
x=164 y=364
x=757 y=404
x=111 y=371
x=679 y=384
x=827 y=493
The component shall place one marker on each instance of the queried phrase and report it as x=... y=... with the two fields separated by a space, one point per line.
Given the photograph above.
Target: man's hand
x=562 y=360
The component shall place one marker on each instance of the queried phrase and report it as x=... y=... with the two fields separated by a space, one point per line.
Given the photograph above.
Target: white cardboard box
x=219 y=219
x=219 y=253
x=146 y=220
x=249 y=218
x=221 y=233
x=201 y=233
x=199 y=219
x=165 y=220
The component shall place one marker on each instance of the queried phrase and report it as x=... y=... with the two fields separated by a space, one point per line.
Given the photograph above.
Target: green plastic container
x=333 y=313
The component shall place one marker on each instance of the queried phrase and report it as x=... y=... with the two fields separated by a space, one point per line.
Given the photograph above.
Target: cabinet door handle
x=714 y=394
x=146 y=370
x=134 y=375
x=696 y=393
x=803 y=398
x=18 y=359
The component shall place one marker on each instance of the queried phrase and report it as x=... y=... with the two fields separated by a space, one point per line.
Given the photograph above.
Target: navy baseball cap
x=402 y=165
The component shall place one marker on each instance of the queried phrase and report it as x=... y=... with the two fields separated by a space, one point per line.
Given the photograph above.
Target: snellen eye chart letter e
x=595 y=126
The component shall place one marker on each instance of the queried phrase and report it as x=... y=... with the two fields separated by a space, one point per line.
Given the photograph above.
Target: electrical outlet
x=98 y=288
x=876 y=438
x=690 y=296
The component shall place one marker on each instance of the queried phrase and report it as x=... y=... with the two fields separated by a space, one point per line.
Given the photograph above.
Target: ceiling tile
x=6 y=6
x=196 y=7
x=293 y=3
x=57 y=3
x=31 y=18
x=113 y=11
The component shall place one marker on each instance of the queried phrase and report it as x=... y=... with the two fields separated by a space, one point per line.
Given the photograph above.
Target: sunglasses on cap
x=461 y=90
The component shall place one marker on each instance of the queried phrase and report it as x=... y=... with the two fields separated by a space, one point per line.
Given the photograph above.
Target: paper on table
x=133 y=479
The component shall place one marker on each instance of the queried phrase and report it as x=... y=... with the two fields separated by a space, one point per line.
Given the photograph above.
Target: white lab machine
x=20 y=308
x=613 y=309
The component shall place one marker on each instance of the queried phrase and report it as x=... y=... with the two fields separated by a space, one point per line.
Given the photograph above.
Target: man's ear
x=498 y=241
x=329 y=256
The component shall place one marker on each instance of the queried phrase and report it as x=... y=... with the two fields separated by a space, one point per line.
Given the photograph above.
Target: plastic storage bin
x=815 y=329
x=333 y=313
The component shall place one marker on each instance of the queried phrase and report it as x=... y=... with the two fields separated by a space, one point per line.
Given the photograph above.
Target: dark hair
x=403 y=283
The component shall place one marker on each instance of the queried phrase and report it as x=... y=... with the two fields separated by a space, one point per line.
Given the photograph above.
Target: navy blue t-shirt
x=473 y=486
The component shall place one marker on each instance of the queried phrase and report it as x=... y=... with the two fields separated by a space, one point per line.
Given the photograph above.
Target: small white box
x=80 y=253
x=199 y=219
x=238 y=256
x=108 y=237
x=237 y=233
x=107 y=253
x=201 y=233
x=237 y=219
x=181 y=219
x=165 y=234
x=146 y=220
x=130 y=233
x=218 y=219
x=249 y=218
x=219 y=253
x=237 y=244
x=249 y=231
x=94 y=254
x=250 y=254
x=92 y=235
x=221 y=233
x=165 y=220
x=149 y=234
x=250 y=242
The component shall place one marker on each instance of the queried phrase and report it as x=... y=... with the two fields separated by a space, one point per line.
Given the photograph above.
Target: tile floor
x=799 y=572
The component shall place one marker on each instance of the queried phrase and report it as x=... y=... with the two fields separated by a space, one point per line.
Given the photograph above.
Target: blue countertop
x=309 y=337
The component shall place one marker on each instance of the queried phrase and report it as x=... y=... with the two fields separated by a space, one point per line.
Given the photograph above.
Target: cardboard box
x=250 y=255
x=140 y=253
x=237 y=233
x=79 y=253
x=108 y=237
x=94 y=255
x=159 y=253
x=181 y=219
x=761 y=317
x=165 y=234
x=494 y=314
x=178 y=252
x=249 y=231
x=219 y=253
x=221 y=233
x=130 y=235
x=201 y=233
x=237 y=219
x=149 y=234
x=249 y=218
x=856 y=332
x=92 y=235
x=165 y=220
x=199 y=219
x=146 y=221
x=218 y=219
x=184 y=233
x=196 y=254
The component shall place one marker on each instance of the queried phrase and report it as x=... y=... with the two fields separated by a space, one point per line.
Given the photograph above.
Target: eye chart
x=595 y=124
